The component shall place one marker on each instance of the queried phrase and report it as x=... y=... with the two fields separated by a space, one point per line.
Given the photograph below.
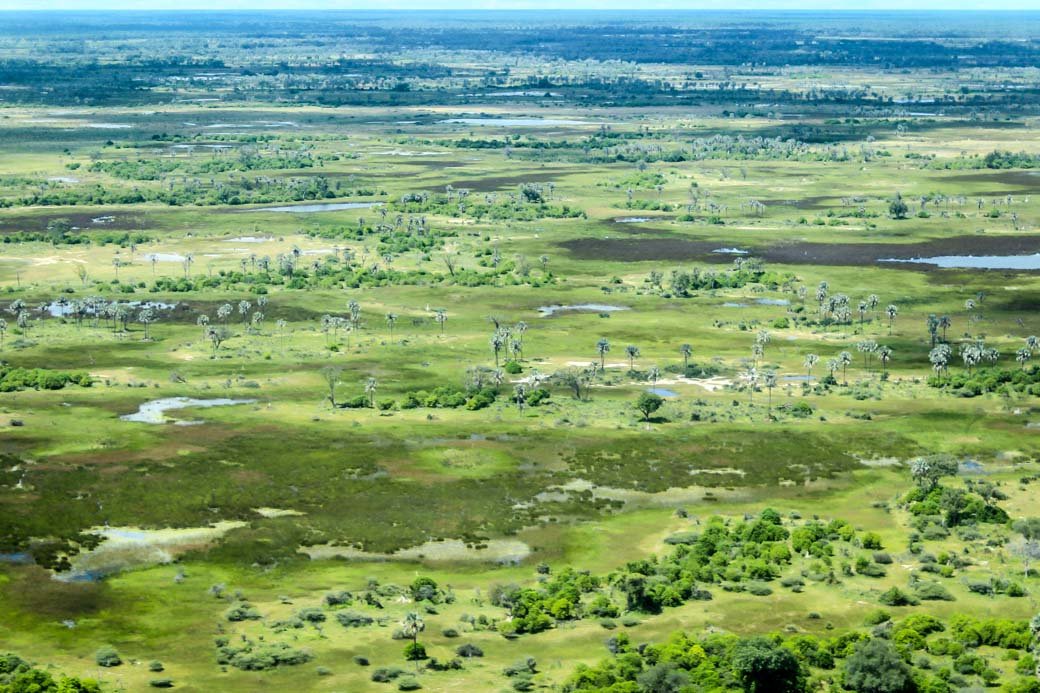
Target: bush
x=243 y=611
x=386 y=674
x=161 y=683
x=415 y=652
x=107 y=656
x=352 y=619
x=896 y=597
x=932 y=591
x=875 y=666
x=512 y=367
x=409 y=683
x=340 y=598
x=469 y=650
x=311 y=615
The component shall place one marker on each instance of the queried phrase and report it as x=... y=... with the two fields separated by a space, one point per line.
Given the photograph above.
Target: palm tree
x=332 y=374
x=411 y=626
x=687 y=351
x=223 y=312
x=885 y=354
x=940 y=358
x=653 y=375
x=632 y=351
x=1033 y=343
x=1023 y=355
x=810 y=361
x=945 y=323
x=3 y=332
x=520 y=396
x=354 y=308
x=873 y=301
x=498 y=342
x=146 y=317
x=370 y=390
x=751 y=378
x=280 y=329
x=441 y=318
x=770 y=383
x=391 y=318
x=891 y=311
x=757 y=352
x=521 y=328
x=845 y=358
x=602 y=346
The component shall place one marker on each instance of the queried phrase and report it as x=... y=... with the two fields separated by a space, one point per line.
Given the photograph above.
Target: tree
x=750 y=377
x=370 y=390
x=885 y=354
x=653 y=375
x=498 y=342
x=810 y=361
x=632 y=351
x=391 y=319
x=575 y=379
x=332 y=374
x=648 y=403
x=1029 y=546
x=892 y=311
x=1023 y=355
x=769 y=378
x=354 y=308
x=3 y=332
x=940 y=358
x=926 y=471
x=687 y=351
x=845 y=358
x=146 y=317
x=898 y=207
x=217 y=336
x=441 y=318
x=520 y=396
x=411 y=626
x=876 y=667
x=762 y=666
x=602 y=346
x=665 y=677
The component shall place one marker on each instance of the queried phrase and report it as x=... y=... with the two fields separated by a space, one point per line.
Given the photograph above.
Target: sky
x=519 y=4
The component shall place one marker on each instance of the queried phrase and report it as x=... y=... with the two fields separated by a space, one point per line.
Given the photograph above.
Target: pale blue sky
x=519 y=4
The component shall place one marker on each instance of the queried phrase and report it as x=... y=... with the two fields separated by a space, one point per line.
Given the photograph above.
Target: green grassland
x=582 y=483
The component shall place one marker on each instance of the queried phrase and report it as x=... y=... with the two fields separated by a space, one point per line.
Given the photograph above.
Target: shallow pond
x=124 y=548
x=249 y=239
x=164 y=257
x=729 y=251
x=662 y=392
x=1011 y=262
x=323 y=207
x=514 y=122
x=501 y=551
x=153 y=412
x=62 y=309
x=547 y=311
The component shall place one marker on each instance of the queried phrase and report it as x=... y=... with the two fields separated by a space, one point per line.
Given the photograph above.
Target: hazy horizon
x=492 y=5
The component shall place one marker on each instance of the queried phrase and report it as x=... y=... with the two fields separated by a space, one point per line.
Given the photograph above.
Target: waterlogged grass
x=581 y=483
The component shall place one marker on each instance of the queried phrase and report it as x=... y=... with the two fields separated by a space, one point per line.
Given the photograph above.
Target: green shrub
x=106 y=656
